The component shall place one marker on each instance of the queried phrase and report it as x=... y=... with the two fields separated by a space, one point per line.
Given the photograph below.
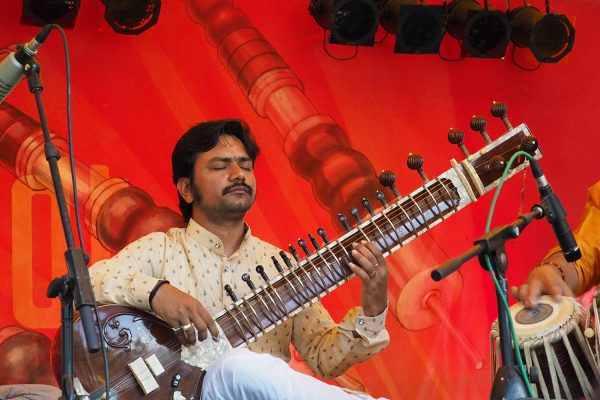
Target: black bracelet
x=154 y=290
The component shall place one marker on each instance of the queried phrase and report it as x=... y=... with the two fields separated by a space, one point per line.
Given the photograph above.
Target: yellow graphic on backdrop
x=24 y=221
x=26 y=312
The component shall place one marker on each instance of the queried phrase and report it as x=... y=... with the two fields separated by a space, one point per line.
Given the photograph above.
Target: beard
x=228 y=209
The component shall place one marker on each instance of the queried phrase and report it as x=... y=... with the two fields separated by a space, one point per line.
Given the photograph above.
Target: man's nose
x=236 y=172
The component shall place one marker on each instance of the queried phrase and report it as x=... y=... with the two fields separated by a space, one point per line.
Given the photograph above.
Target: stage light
x=419 y=28
x=550 y=37
x=131 y=17
x=483 y=32
x=43 y=12
x=350 y=22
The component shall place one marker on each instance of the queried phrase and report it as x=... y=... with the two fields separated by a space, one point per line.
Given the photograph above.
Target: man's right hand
x=545 y=279
x=179 y=310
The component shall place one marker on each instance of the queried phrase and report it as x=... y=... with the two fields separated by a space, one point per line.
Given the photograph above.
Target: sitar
x=144 y=354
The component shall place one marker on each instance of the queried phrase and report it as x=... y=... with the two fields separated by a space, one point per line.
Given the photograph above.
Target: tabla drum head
x=545 y=318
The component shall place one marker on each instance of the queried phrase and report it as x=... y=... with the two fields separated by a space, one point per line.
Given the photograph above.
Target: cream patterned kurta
x=192 y=259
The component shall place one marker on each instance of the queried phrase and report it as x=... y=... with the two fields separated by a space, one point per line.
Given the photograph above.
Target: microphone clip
x=31 y=69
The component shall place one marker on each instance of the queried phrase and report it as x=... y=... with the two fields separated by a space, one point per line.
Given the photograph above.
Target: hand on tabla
x=545 y=279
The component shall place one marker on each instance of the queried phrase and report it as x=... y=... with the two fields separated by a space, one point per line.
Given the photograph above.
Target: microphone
x=556 y=215
x=12 y=67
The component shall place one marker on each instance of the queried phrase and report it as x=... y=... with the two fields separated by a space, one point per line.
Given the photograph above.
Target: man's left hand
x=370 y=266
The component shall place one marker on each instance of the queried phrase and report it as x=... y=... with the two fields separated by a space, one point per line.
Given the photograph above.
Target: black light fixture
x=482 y=32
x=43 y=12
x=549 y=36
x=131 y=17
x=350 y=22
x=419 y=28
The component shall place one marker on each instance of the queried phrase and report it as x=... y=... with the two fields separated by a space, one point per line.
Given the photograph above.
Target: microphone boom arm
x=489 y=242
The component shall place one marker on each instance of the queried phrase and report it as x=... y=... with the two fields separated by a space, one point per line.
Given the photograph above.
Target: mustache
x=237 y=185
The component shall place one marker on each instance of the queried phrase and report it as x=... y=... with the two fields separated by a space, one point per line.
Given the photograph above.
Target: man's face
x=224 y=185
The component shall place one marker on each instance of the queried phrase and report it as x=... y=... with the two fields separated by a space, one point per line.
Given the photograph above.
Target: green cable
x=489 y=267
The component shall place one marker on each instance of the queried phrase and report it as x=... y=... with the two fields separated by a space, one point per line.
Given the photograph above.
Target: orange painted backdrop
x=134 y=96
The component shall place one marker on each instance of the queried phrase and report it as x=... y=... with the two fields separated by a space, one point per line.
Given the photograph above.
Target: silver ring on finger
x=372 y=273
x=376 y=265
x=186 y=327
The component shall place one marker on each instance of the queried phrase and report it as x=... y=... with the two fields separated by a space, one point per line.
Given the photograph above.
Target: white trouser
x=241 y=374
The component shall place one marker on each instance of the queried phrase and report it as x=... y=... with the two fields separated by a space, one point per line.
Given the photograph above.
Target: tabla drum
x=550 y=338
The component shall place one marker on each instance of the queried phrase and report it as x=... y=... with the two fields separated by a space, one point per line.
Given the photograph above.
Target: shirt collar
x=211 y=241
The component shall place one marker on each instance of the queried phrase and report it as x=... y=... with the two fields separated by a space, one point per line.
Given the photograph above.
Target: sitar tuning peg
x=529 y=144
x=388 y=179
x=321 y=232
x=344 y=221
x=478 y=124
x=294 y=253
x=286 y=259
x=456 y=136
x=314 y=241
x=246 y=278
x=367 y=204
x=499 y=111
x=303 y=246
x=261 y=271
x=356 y=215
x=230 y=293
x=415 y=162
x=381 y=197
x=277 y=264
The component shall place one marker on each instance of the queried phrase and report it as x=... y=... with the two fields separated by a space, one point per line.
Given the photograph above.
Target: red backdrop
x=134 y=96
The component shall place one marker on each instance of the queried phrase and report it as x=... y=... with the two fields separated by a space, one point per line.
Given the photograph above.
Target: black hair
x=200 y=139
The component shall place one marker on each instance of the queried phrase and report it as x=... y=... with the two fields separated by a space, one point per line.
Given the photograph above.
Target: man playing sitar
x=188 y=275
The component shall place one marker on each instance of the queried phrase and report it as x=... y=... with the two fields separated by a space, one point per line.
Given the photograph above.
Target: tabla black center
x=530 y=316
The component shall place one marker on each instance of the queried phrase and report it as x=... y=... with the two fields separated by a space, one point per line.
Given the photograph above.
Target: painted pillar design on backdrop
x=115 y=212
x=24 y=356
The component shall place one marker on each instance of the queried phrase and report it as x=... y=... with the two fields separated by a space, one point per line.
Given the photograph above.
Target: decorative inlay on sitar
x=131 y=334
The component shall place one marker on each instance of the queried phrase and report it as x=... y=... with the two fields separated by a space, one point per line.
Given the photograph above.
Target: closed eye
x=246 y=165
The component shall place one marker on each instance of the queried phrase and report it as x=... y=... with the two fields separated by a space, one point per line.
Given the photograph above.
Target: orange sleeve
x=588 y=238
x=587 y=235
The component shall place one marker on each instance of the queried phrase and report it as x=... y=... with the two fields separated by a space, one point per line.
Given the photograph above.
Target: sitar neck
x=395 y=225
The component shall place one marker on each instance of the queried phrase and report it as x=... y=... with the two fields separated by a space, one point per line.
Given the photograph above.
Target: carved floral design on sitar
x=115 y=336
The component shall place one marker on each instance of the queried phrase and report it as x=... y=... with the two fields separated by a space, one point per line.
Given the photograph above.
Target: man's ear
x=185 y=189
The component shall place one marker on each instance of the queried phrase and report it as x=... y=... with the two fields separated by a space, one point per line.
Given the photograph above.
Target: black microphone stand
x=508 y=382
x=76 y=286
